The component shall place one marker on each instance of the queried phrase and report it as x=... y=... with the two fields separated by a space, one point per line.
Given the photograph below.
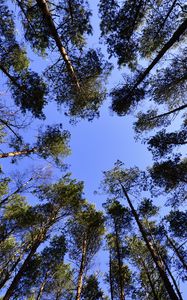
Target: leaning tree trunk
x=9 y=272
x=54 y=33
x=81 y=270
x=21 y=271
x=155 y=257
x=169 y=112
x=177 y=252
x=165 y=19
x=175 y=37
x=173 y=280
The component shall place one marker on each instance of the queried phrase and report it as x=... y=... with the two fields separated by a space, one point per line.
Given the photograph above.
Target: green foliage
x=86 y=226
x=91 y=289
x=177 y=223
x=53 y=142
x=163 y=143
x=29 y=93
x=91 y=71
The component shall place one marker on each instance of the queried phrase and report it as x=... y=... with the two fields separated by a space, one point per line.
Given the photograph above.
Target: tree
x=91 y=289
x=64 y=26
x=119 y=181
x=61 y=200
x=53 y=142
x=119 y=219
x=28 y=89
x=86 y=230
x=171 y=176
x=47 y=275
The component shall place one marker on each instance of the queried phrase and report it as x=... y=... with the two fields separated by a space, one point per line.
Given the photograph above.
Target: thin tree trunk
x=18 y=153
x=173 y=280
x=169 y=112
x=110 y=278
x=122 y=294
x=38 y=297
x=165 y=19
x=81 y=270
x=150 y=281
x=19 y=189
x=48 y=18
x=157 y=261
x=175 y=37
x=176 y=251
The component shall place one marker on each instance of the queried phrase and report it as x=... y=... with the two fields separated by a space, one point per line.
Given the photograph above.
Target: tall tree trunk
x=175 y=37
x=150 y=281
x=173 y=280
x=177 y=252
x=110 y=278
x=122 y=294
x=53 y=31
x=155 y=257
x=22 y=269
x=18 y=153
x=81 y=270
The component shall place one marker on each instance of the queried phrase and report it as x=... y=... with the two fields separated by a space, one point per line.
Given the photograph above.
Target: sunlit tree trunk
x=48 y=18
x=81 y=270
x=18 y=153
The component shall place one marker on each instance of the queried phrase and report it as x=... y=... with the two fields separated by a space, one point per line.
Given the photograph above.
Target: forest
x=93 y=133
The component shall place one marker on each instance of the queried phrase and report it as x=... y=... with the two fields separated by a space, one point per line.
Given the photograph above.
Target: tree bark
x=110 y=278
x=122 y=294
x=157 y=261
x=18 y=153
x=50 y=23
x=81 y=270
